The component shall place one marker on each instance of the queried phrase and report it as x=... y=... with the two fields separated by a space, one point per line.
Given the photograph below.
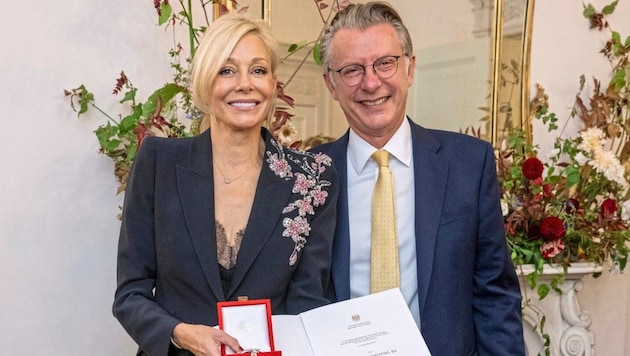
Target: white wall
x=563 y=48
x=58 y=226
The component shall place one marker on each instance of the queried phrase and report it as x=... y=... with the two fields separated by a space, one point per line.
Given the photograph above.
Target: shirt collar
x=399 y=146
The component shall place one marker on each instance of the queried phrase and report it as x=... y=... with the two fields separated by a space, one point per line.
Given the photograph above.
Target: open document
x=374 y=325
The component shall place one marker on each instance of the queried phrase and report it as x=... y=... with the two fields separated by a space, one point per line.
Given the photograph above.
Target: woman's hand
x=203 y=340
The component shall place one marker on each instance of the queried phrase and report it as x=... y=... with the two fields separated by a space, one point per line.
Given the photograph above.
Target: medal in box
x=249 y=321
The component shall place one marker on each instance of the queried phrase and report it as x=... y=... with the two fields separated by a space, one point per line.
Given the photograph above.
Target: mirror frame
x=526 y=111
x=524 y=75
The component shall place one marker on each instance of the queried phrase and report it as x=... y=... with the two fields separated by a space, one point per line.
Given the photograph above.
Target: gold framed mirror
x=472 y=72
x=511 y=85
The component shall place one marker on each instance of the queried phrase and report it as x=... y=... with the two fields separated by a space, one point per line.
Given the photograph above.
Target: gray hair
x=362 y=16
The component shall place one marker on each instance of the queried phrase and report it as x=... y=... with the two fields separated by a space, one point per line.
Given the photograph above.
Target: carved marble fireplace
x=566 y=324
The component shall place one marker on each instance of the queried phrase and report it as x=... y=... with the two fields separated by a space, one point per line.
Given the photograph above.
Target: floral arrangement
x=574 y=205
x=169 y=111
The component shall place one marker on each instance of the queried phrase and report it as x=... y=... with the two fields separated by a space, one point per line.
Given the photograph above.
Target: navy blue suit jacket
x=468 y=291
x=167 y=254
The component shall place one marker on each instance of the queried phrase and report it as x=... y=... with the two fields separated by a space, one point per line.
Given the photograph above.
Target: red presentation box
x=249 y=321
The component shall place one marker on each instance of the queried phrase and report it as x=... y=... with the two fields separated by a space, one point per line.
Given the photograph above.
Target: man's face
x=375 y=107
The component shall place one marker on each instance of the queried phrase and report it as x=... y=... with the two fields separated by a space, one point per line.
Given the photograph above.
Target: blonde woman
x=225 y=214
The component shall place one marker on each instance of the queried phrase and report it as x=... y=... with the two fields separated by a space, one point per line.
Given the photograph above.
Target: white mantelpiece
x=566 y=324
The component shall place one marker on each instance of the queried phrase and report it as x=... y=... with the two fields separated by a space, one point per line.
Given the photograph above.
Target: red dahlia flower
x=552 y=228
x=532 y=168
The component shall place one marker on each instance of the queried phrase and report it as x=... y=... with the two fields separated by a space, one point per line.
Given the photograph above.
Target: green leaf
x=532 y=280
x=573 y=176
x=543 y=290
x=131 y=151
x=616 y=40
x=616 y=36
x=130 y=122
x=84 y=101
x=130 y=95
x=166 y=93
x=85 y=98
x=610 y=8
x=316 y=57
x=527 y=253
x=589 y=10
x=296 y=46
x=105 y=134
x=165 y=13
x=556 y=281
x=619 y=78
x=111 y=145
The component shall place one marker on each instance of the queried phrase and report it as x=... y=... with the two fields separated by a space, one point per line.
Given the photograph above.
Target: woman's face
x=244 y=90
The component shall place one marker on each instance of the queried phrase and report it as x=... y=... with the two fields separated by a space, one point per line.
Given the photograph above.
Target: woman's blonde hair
x=215 y=48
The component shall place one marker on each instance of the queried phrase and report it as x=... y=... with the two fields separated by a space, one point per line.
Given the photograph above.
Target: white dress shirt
x=362 y=174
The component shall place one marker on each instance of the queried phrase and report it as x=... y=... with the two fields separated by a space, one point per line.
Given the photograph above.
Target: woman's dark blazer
x=167 y=254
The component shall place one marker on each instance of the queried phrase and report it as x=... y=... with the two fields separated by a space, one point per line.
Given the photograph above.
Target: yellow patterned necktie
x=385 y=272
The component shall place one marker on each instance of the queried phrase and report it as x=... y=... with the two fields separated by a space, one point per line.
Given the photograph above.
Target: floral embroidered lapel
x=288 y=188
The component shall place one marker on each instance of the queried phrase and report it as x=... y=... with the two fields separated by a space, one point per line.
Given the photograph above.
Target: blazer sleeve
x=497 y=296
x=144 y=320
x=311 y=278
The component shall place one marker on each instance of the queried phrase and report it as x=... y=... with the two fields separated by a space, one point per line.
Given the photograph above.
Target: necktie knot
x=381 y=157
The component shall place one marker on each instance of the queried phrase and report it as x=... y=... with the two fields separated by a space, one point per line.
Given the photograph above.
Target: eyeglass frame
x=364 y=69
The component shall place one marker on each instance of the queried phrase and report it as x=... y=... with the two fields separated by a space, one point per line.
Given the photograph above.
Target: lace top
x=227 y=252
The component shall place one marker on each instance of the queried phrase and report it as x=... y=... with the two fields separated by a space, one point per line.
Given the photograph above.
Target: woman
x=227 y=213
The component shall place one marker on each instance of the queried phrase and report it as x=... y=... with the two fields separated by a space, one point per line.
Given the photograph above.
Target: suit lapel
x=341 y=242
x=431 y=172
x=195 y=185
x=272 y=195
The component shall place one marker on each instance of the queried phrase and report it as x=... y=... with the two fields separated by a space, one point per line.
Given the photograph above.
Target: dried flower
x=287 y=133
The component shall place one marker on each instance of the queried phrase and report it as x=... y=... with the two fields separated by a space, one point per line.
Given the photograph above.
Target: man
x=454 y=267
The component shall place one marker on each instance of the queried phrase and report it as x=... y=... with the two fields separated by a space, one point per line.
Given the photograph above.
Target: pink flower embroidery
x=295 y=228
x=279 y=166
x=308 y=184
x=319 y=196
x=303 y=184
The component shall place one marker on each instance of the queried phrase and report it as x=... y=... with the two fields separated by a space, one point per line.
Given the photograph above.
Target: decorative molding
x=567 y=325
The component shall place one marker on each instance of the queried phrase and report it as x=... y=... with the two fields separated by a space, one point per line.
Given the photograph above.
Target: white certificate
x=374 y=325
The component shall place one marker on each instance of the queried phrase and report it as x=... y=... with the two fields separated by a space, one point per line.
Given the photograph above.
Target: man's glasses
x=384 y=67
